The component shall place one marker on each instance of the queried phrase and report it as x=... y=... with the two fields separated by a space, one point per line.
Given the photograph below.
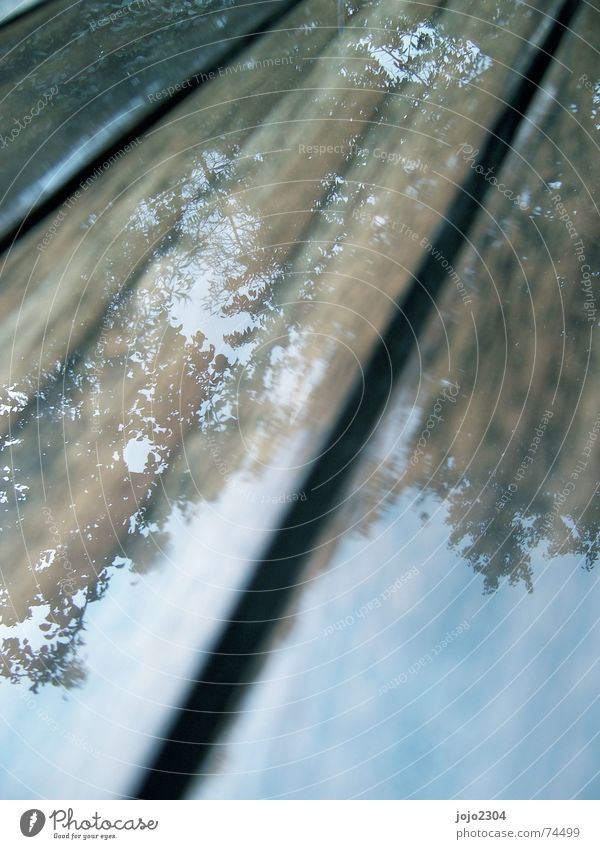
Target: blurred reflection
x=222 y=318
x=159 y=366
x=393 y=675
x=75 y=77
x=190 y=293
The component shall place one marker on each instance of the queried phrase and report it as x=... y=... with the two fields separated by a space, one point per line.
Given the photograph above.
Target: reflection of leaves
x=163 y=366
x=579 y=535
x=495 y=548
x=57 y=664
x=424 y=55
x=498 y=545
x=173 y=362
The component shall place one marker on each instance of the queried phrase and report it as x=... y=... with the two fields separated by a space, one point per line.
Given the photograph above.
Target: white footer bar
x=303 y=824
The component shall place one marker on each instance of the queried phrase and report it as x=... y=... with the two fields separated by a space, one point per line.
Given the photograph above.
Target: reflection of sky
x=141 y=644
x=492 y=713
x=8 y=8
x=507 y=708
x=416 y=56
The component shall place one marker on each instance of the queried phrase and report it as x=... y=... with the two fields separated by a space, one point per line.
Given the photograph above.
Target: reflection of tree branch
x=55 y=663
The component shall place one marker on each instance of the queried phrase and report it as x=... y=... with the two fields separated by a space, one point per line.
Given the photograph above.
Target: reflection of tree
x=176 y=345
x=491 y=459
x=163 y=369
x=502 y=513
x=158 y=371
x=479 y=535
x=55 y=662
x=423 y=55
x=497 y=544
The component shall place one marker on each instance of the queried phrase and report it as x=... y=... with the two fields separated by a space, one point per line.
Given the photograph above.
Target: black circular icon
x=32 y=822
